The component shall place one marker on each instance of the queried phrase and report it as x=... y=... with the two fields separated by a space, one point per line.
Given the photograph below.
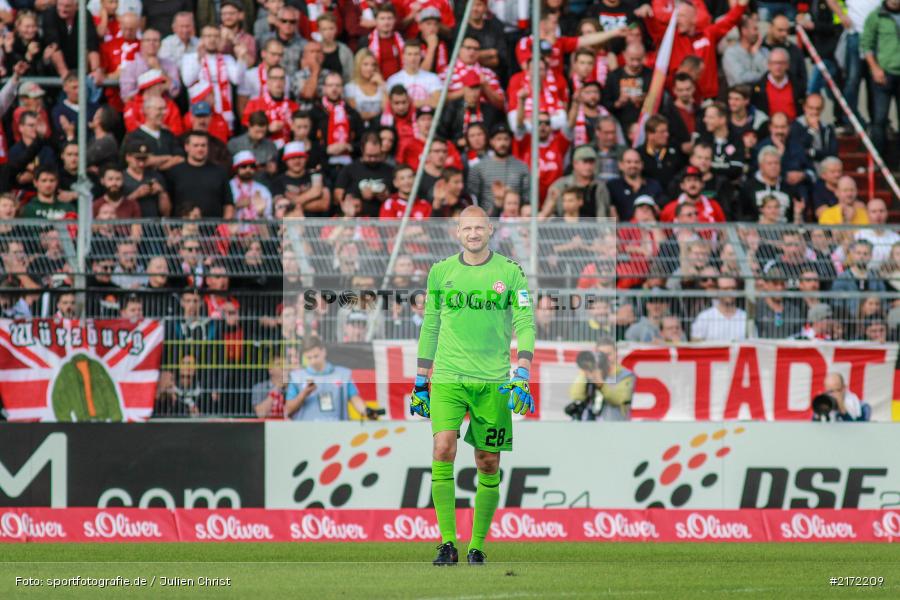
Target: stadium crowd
x=230 y=115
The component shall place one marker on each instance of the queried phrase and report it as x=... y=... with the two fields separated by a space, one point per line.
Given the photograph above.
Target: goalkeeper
x=475 y=300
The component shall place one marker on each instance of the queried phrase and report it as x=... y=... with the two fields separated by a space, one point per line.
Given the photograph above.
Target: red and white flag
x=65 y=370
x=660 y=69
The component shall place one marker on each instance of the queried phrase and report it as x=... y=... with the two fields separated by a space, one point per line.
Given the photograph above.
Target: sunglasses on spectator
x=288 y=21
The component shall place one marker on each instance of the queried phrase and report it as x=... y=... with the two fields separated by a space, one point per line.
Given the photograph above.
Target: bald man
x=476 y=298
x=848 y=210
x=848 y=405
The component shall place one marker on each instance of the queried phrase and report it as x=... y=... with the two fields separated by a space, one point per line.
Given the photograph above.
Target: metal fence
x=234 y=296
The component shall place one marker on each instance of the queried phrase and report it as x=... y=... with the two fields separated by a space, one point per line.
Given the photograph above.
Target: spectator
x=308 y=80
x=744 y=62
x=880 y=45
x=857 y=277
x=824 y=192
x=728 y=149
x=285 y=31
x=489 y=31
x=467 y=62
x=45 y=204
x=776 y=316
x=338 y=124
x=609 y=150
x=423 y=87
x=776 y=92
x=182 y=40
x=275 y=104
x=59 y=28
x=197 y=183
x=493 y=175
x=252 y=200
x=221 y=71
x=395 y=206
x=723 y=321
x=267 y=397
x=743 y=117
x=256 y=140
x=648 y=329
x=777 y=37
x=183 y=394
x=254 y=81
x=144 y=186
x=881 y=238
x=307 y=192
x=234 y=38
x=128 y=273
x=708 y=210
x=767 y=182
x=681 y=110
x=596 y=196
x=365 y=89
x=384 y=41
x=661 y=160
x=626 y=87
x=553 y=146
x=320 y=391
x=467 y=110
x=848 y=209
x=164 y=151
x=671 y=331
x=819 y=139
x=820 y=324
x=848 y=406
x=449 y=194
x=625 y=189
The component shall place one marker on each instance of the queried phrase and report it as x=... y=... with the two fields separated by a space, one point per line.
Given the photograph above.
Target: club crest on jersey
x=499 y=287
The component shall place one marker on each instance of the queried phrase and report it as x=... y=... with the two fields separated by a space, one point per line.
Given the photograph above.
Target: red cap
x=471 y=79
x=692 y=171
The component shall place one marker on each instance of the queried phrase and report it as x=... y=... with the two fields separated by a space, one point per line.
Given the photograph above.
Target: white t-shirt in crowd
x=711 y=325
x=881 y=244
x=419 y=86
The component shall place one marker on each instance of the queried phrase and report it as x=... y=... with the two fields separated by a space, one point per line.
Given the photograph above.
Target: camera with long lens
x=822 y=407
x=588 y=362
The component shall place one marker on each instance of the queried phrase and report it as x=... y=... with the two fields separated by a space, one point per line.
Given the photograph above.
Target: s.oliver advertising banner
x=412 y=525
x=65 y=370
x=595 y=465
x=759 y=380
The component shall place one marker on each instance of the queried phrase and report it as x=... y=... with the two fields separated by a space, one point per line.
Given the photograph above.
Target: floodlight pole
x=82 y=187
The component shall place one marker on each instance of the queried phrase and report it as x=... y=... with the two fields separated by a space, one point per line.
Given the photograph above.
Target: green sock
x=487 y=495
x=443 y=492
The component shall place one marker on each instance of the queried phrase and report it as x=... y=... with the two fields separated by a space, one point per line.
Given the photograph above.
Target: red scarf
x=375 y=44
x=441 y=60
x=278 y=110
x=580 y=134
x=223 y=98
x=467 y=117
x=314 y=11
x=338 y=123
x=263 y=72
x=523 y=13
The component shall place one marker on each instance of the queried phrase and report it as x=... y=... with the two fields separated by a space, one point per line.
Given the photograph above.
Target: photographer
x=322 y=391
x=837 y=403
x=603 y=389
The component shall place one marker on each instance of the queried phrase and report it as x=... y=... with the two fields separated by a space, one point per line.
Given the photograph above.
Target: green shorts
x=490 y=420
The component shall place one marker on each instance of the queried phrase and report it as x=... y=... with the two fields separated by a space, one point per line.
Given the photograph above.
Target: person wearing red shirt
x=553 y=95
x=384 y=41
x=117 y=52
x=468 y=62
x=395 y=206
x=410 y=149
x=399 y=114
x=106 y=21
x=552 y=148
x=152 y=83
x=775 y=92
x=692 y=40
x=275 y=104
x=708 y=210
x=201 y=98
x=562 y=46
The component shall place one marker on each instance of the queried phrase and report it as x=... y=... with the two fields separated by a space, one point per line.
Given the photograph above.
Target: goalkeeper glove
x=420 y=400
x=520 y=400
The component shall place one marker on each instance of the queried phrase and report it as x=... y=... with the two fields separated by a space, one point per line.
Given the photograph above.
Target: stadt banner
x=759 y=380
x=411 y=525
x=65 y=370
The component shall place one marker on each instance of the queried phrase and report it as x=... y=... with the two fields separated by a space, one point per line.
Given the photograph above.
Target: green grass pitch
x=402 y=570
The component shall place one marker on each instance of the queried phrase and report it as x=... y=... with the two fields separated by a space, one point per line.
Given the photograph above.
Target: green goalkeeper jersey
x=470 y=314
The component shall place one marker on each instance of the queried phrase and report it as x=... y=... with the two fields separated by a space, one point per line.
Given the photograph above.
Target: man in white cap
x=252 y=200
x=201 y=108
x=221 y=71
x=306 y=191
x=148 y=58
x=152 y=84
x=31 y=99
